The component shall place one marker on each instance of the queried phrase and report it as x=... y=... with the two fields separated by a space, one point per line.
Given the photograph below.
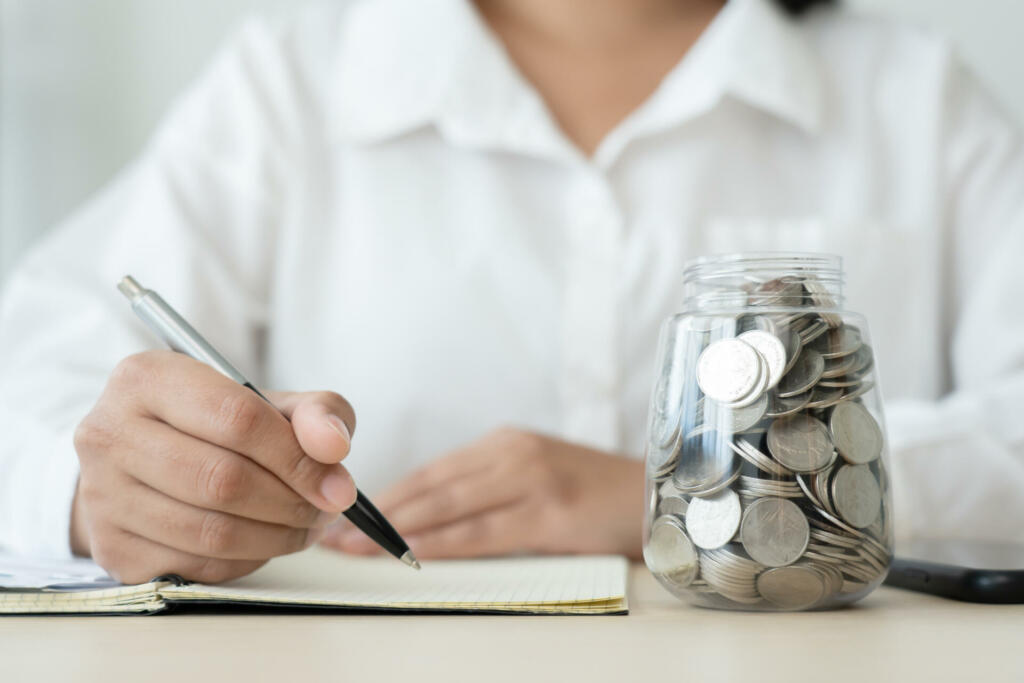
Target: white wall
x=82 y=84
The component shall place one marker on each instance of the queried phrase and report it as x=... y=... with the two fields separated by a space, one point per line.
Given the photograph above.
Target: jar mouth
x=764 y=279
x=766 y=260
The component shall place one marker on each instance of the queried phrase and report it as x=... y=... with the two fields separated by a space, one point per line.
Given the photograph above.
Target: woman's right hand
x=185 y=471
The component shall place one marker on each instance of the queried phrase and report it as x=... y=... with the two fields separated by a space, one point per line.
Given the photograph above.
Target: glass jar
x=767 y=474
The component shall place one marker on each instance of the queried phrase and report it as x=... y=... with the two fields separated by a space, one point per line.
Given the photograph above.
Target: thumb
x=323 y=422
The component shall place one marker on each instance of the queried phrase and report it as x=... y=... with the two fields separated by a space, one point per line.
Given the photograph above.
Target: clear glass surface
x=767 y=464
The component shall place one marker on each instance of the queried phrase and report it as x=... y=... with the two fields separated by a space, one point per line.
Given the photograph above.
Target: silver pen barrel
x=173 y=329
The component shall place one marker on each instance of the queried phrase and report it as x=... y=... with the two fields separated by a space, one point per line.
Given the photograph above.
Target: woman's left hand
x=513 y=492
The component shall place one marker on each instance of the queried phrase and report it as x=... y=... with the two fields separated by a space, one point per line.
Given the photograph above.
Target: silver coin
x=833 y=579
x=839 y=367
x=760 y=388
x=668 y=489
x=820 y=483
x=836 y=554
x=756 y=487
x=857 y=392
x=772 y=351
x=755 y=457
x=823 y=397
x=669 y=553
x=822 y=297
x=793 y=345
x=665 y=419
x=731 y=574
x=865 y=360
x=813 y=331
x=801 y=443
x=652 y=502
x=729 y=370
x=840 y=382
x=801 y=322
x=783 y=291
x=839 y=342
x=856 y=434
x=660 y=458
x=833 y=538
x=715 y=488
x=727 y=419
x=856 y=495
x=795 y=587
x=805 y=486
x=870 y=558
x=775 y=531
x=735 y=561
x=672 y=501
x=712 y=521
x=744 y=592
x=833 y=519
x=705 y=460
x=804 y=374
x=674 y=505
x=780 y=407
x=753 y=491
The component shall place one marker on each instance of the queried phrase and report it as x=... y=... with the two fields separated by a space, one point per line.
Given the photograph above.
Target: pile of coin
x=768 y=489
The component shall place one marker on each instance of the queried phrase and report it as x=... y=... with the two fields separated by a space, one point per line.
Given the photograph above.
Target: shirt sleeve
x=959 y=462
x=194 y=219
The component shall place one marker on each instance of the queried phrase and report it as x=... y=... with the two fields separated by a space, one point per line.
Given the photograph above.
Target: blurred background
x=82 y=84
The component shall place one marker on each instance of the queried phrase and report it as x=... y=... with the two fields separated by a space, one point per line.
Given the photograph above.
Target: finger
x=286 y=402
x=148 y=513
x=457 y=499
x=460 y=463
x=196 y=399
x=335 y=532
x=211 y=477
x=321 y=432
x=133 y=559
x=502 y=531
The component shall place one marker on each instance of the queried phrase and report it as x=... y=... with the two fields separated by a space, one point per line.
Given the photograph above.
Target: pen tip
x=410 y=560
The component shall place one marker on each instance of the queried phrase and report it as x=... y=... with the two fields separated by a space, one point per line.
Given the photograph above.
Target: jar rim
x=720 y=280
x=787 y=259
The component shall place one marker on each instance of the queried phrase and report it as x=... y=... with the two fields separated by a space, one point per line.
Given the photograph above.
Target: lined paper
x=322 y=578
x=589 y=583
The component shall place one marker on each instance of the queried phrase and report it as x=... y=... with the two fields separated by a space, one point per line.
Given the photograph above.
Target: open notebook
x=321 y=579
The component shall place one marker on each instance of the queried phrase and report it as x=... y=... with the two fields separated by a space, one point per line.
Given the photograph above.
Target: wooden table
x=891 y=636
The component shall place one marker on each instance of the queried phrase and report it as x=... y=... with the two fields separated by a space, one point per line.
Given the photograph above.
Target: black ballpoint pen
x=182 y=337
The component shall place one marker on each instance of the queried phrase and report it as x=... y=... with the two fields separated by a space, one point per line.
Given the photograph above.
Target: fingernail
x=338 y=488
x=338 y=425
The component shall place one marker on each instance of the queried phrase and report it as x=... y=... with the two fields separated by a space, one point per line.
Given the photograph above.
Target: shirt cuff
x=39 y=499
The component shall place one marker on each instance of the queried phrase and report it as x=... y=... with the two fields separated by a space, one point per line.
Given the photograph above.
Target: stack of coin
x=769 y=489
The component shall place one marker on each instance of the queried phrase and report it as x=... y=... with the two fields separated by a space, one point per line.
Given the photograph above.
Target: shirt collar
x=756 y=53
x=403 y=64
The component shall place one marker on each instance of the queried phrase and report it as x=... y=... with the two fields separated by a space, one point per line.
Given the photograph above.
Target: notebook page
x=323 y=577
x=22 y=573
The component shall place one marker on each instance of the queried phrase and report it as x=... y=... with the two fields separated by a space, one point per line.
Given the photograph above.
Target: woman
x=470 y=219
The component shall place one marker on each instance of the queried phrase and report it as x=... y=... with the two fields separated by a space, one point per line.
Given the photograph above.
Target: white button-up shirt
x=370 y=198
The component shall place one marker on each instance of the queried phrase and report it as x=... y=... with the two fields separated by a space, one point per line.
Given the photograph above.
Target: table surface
x=890 y=635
